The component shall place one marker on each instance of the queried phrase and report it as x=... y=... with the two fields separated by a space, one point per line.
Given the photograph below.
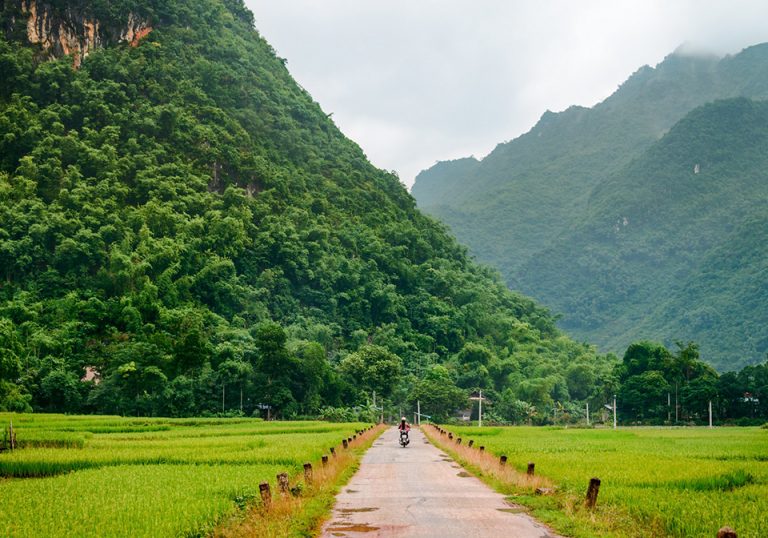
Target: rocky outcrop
x=72 y=32
x=135 y=31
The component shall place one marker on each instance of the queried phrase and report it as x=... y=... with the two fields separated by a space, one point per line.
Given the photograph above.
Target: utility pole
x=587 y=413
x=480 y=411
x=677 y=407
x=669 y=407
x=381 y=416
x=479 y=399
x=418 y=412
x=710 y=413
x=614 y=411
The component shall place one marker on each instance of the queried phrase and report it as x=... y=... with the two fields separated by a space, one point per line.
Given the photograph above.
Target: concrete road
x=419 y=491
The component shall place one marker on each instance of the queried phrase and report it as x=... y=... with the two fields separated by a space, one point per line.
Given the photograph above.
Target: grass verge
x=302 y=512
x=563 y=511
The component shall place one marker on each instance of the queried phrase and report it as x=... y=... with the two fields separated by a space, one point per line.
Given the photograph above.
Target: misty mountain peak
x=516 y=208
x=689 y=49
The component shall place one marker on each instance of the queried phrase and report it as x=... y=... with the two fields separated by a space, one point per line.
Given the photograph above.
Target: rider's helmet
x=402 y=419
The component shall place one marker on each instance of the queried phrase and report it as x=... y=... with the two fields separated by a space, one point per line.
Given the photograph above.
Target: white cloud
x=413 y=82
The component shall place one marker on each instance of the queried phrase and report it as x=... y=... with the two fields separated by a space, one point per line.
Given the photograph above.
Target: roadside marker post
x=592 y=491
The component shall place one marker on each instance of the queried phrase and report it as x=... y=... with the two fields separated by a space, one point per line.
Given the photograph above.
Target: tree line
x=651 y=385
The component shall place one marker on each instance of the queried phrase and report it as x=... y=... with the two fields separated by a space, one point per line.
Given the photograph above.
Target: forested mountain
x=519 y=208
x=183 y=230
x=674 y=244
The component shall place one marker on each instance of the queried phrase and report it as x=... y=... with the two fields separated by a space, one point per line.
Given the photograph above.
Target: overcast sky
x=417 y=81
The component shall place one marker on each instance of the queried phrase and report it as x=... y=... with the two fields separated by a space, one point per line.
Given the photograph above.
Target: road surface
x=418 y=491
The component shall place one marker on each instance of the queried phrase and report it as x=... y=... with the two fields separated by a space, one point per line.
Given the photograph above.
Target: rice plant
x=110 y=476
x=678 y=481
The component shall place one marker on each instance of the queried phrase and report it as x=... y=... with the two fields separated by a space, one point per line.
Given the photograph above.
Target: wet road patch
x=355 y=510
x=364 y=527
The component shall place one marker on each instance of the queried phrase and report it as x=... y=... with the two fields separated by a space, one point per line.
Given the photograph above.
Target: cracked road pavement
x=419 y=491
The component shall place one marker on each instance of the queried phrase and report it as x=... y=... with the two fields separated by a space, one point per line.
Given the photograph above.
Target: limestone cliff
x=62 y=31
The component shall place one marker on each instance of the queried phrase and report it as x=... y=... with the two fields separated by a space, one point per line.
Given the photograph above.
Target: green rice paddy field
x=683 y=481
x=113 y=476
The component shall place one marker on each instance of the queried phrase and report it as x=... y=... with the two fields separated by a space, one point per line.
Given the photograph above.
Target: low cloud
x=416 y=82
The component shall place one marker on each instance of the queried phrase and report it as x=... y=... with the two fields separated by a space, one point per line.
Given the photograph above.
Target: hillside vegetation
x=543 y=208
x=668 y=251
x=183 y=227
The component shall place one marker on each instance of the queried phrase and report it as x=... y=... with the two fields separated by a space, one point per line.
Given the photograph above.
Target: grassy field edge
x=563 y=511
x=303 y=513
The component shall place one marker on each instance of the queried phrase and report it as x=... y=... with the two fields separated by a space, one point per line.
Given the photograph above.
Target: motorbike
x=404 y=439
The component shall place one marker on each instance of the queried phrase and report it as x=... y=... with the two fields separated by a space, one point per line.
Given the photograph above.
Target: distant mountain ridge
x=672 y=245
x=518 y=207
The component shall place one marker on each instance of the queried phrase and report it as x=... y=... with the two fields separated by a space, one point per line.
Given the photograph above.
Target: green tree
x=61 y=391
x=581 y=380
x=437 y=394
x=473 y=363
x=312 y=377
x=234 y=372
x=372 y=368
x=273 y=366
x=644 y=396
x=10 y=351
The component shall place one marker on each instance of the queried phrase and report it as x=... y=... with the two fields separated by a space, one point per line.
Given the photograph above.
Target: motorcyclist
x=404 y=428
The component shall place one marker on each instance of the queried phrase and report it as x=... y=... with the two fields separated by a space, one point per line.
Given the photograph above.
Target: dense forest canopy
x=183 y=227
x=545 y=207
x=673 y=244
x=183 y=231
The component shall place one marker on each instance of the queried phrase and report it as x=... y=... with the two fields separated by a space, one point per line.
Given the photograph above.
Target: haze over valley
x=637 y=218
